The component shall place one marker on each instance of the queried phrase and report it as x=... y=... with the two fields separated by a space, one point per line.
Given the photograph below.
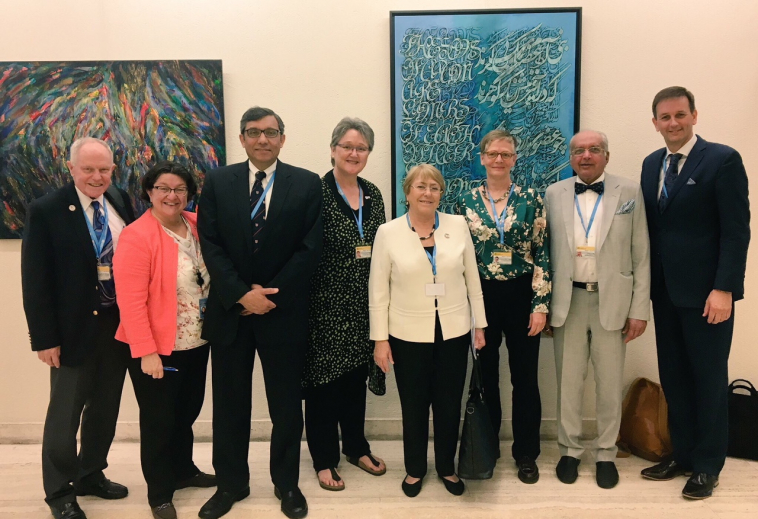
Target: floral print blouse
x=525 y=237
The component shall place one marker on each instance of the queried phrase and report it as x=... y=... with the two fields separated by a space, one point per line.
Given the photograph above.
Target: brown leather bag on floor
x=644 y=422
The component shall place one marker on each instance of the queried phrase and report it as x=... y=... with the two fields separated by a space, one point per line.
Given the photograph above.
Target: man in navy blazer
x=696 y=196
x=261 y=233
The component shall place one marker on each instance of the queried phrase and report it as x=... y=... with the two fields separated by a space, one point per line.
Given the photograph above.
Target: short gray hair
x=603 y=137
x=78 y=143
x=352 y=123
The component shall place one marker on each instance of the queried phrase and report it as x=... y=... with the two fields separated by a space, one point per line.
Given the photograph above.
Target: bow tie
x=580 y=188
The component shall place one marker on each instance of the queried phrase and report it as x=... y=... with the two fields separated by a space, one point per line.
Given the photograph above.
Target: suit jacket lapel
x=115 y=201
x=76 y=220
x=567 y=207
x=240 y=187
x=281 y=187
x=692 y=162
x=651 y=179
x=611 y=197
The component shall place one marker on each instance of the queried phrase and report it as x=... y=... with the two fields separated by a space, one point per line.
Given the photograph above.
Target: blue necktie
x=260 y=217
x=668 y=180
x=107 y=287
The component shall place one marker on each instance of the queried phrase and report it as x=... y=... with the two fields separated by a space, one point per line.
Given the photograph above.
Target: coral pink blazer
x=144 y=269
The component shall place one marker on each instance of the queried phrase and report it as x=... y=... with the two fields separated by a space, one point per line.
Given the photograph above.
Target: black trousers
x=232 y=368
x=430 y=374
x=340 y=402
x=693 y=359
x=90 y=393
x=167 y=409
x=508 y=305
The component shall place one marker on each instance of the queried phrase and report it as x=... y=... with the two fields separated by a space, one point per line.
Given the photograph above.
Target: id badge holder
x=502 y=257
x=363 y=252
x=103 y=272
x=203 y=303
x=585 y=251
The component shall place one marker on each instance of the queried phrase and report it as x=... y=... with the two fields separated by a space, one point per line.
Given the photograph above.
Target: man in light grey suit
x=600 y=258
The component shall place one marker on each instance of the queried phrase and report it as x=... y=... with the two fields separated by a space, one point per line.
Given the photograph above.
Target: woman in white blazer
x=423 y=286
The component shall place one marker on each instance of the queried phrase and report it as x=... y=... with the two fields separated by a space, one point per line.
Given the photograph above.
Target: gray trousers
x=578 y=341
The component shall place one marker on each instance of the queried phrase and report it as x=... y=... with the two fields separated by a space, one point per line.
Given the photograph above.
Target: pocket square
x=690 y=182
x=627 y=207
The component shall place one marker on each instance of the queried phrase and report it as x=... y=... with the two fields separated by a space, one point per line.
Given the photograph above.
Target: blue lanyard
x=500 y=220
x=263 y=196
x=432 y=257
x=359 y=218
x=592 y=218
x=98 y=244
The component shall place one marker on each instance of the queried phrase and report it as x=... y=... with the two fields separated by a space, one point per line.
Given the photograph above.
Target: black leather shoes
x=221 y=502
x=164 y=511
x=454 y=487
x=294 y=504
x=607 y=476
x=199 y=480
x=104 y=489
x=664 y=471
x=527 y=470
x=67 y=511
x=411 y=489
x=700 y=486
x=566 y=470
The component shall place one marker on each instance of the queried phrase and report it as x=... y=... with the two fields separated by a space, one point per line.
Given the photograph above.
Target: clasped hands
x=256 y=301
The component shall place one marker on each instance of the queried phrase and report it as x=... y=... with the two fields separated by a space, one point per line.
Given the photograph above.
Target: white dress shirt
x=685 y=151
x=115 y=223
x=269 y=171
x=585 y=269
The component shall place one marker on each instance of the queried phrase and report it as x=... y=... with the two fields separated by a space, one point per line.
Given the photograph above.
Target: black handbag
x=743 y=420
x=477 y=455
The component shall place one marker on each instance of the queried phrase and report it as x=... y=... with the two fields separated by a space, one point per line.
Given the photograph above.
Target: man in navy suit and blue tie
x=696 y=196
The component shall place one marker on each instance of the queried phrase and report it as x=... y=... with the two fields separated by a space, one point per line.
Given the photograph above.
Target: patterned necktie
x=260 y=217
x=107 y=287
x=668 y=180
x=580 y=187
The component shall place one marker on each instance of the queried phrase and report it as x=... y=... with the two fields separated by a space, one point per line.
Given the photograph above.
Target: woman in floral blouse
x=508 y=227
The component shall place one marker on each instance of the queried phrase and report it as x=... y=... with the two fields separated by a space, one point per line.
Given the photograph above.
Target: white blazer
x=400 y=271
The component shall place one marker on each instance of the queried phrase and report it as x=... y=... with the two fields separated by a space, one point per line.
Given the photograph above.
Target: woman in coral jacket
x=163 y=285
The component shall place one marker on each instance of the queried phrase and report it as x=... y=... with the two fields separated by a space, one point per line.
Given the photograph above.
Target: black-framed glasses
x=165 y=190
x=595 y=150
x=493 y=155
x=270 y=133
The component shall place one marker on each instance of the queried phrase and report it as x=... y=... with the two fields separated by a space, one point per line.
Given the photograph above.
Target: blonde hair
x=422 y=172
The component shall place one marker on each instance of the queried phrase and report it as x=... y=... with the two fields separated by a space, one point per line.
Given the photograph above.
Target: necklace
x=422 y=238
x=505 y=195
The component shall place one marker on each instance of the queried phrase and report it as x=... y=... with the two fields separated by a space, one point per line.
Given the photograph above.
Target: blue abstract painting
x=456 y=75
x=146 y=110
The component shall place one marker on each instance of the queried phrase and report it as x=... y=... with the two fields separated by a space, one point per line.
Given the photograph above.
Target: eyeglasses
x=255 y=133
x=435 y=190
x=361 y=150
x=493 y=155
x=165 y=190
x=595 y=150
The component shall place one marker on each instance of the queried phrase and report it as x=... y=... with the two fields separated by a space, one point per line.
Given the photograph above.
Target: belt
x=589 y=287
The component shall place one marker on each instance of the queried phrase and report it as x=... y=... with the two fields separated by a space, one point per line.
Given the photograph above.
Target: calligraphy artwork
x=146 y=110
x=457 y=75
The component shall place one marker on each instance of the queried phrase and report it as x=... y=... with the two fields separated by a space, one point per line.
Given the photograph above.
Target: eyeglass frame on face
x=594 y=150
x=360 y=150
x=165 y=190
x=255 y=133
x=493 y=155
x=435 y=190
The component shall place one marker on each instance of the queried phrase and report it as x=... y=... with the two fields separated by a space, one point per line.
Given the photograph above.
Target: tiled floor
x=368 y=497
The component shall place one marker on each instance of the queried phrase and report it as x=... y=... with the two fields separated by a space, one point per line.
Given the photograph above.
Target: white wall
x=315 y=62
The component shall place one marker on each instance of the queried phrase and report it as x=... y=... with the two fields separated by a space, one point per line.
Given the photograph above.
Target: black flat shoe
x=104 y=489
x=664 y=471
x=527 y=470
x=199 y=480
x=411 y=489
x=164 y=511
x=221 y=502
x=700 y=486
x=294 y=504
x=607 y=476
x=67 y=511
x=566 y=470
x=454 y=487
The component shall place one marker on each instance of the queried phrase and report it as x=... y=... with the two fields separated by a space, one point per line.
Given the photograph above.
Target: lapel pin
x=72 y=208
x=447 y=235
